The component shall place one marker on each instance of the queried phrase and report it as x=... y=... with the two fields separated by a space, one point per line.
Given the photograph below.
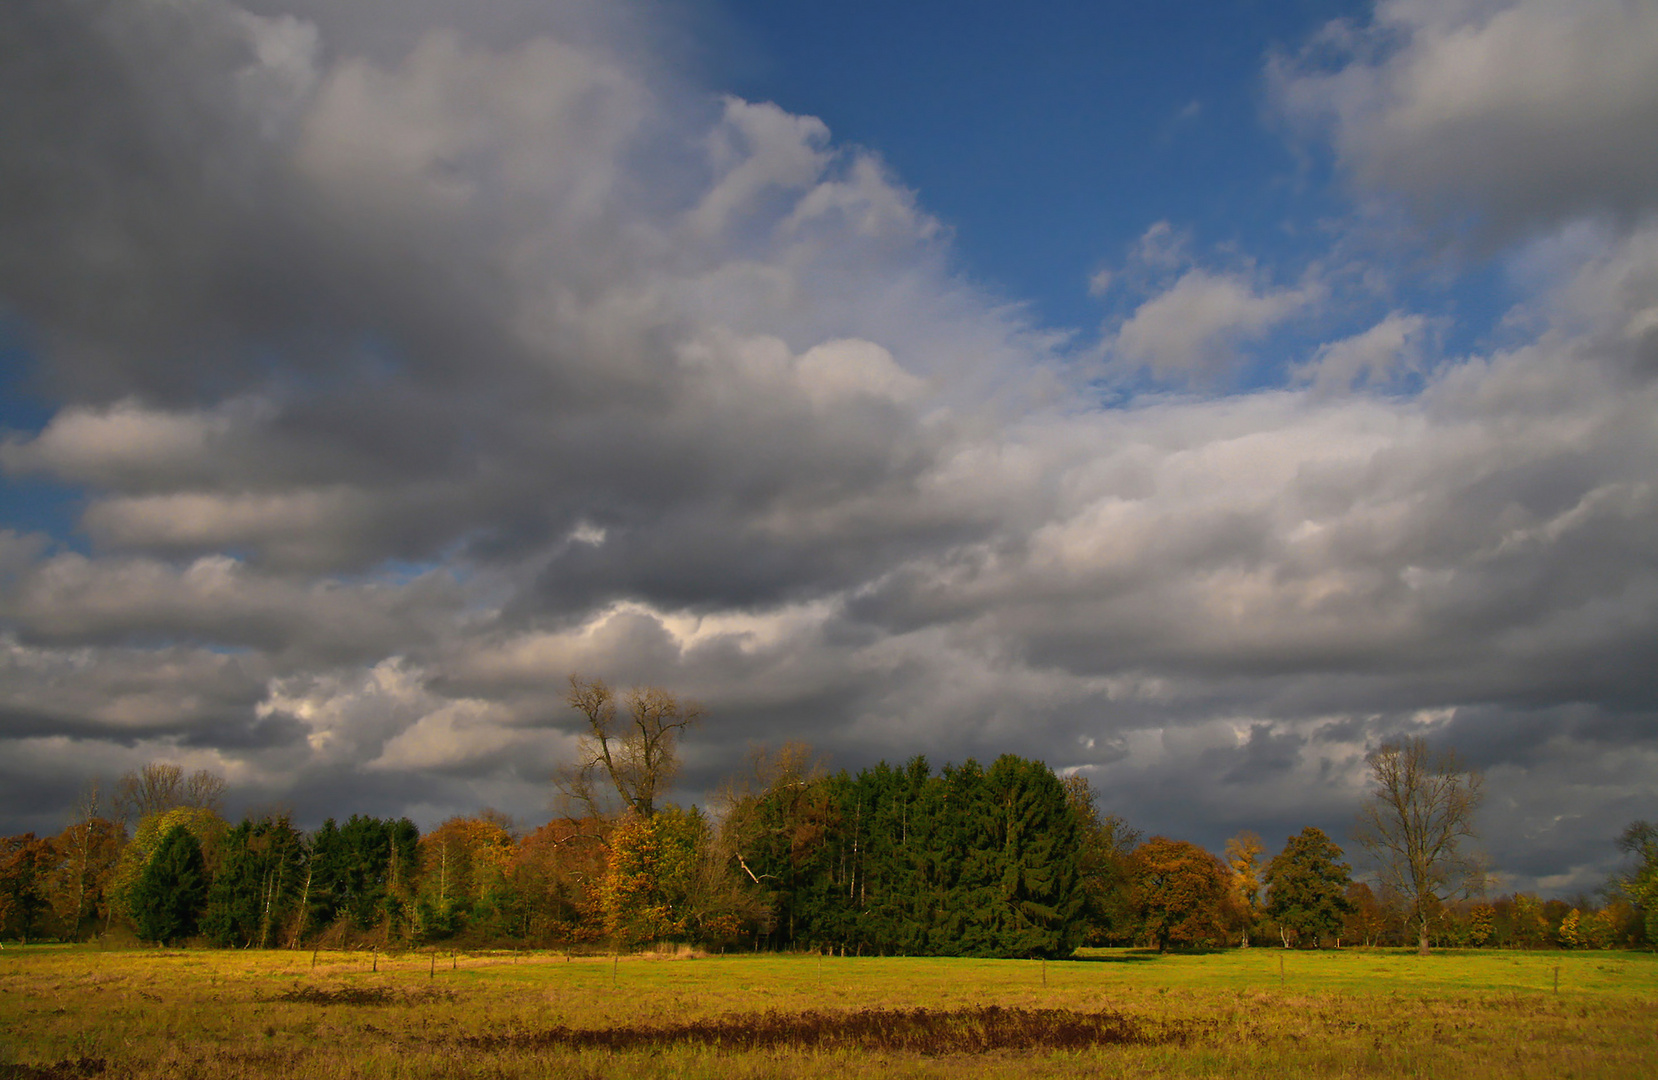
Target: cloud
x=1195 y=325
x=419 y=360
x=1371 y=357
x=1522 y=114
x=217 y=600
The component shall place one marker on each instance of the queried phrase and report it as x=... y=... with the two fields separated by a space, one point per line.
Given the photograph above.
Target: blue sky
x=1191 y=396
x=1049 y=139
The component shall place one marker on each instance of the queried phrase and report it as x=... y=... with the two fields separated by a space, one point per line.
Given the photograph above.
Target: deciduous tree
x=560 y=869
x=1417 y=826
x=26 y=863
x=161 y=786
x=651 y=876
x=1640 y=880
x=1243 y=858
x=637 y=756
x=1366 y=918
x=1183 y=893
x=1105 y=843
x=1307 y=888
x=776 y=824
x=89 y=849
x=464 y=875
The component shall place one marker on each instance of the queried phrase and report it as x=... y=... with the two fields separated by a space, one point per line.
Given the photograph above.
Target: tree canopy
x=1182 y=893
x=1307 y=888
x=167 y=899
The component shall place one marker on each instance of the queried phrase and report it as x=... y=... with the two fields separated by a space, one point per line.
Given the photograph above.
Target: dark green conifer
x=168 y=896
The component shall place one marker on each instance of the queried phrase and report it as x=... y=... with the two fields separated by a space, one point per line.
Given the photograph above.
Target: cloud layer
x=407 y=365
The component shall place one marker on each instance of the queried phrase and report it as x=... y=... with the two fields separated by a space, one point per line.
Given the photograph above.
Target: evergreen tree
x=965 y=866
x=897 y=860
x=894 y=807
x=257 y=889
x=1307 y=888
x=206 y=826
x=169 y=894
x=363 y=871
x=1037 y=903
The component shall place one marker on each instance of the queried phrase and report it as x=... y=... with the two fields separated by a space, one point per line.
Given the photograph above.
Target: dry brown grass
x=207 y=1015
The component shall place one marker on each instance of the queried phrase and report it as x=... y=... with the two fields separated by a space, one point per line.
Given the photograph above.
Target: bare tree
x=154 y=789
x=638 y=756
x=1420 y=813
x=205 y=790
x=161 y=786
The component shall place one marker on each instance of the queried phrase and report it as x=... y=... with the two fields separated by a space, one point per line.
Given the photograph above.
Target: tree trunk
x=1422 y=942
x=304 y=906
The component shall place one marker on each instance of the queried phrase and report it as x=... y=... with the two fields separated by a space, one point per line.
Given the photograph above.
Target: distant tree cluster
x=969 y=861
x=1005 y=860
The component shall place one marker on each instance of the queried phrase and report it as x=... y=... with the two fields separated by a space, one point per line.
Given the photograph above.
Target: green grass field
x=69 y=1012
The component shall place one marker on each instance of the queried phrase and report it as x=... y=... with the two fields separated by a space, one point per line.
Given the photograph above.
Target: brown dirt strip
x=917 y=1031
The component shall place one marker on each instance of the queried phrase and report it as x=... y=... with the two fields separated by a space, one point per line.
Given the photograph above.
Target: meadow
x=198 y=1013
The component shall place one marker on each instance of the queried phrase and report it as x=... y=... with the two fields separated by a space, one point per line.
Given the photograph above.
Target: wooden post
x=1557 y=978
x=1044 y=971
x=375 y=952
x=452 y=960
x=1280 y=971
x=615 y=962
x=432 y=971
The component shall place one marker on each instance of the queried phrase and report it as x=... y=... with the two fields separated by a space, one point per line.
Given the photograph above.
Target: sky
x=1192 y=396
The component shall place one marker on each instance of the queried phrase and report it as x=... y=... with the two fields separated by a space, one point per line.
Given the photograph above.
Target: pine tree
x=364 y=871
x=1037 y=906
x=168 y=896
x=255 y=892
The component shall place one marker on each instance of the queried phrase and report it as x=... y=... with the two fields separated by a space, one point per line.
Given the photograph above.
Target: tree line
x=1000 y=860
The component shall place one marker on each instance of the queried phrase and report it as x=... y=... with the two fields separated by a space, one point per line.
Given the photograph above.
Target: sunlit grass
x=1255 y=1012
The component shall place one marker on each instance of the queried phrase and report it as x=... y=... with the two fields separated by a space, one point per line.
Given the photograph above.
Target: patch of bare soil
x=361 y=995
x=67 y=1069
x=920 y=1031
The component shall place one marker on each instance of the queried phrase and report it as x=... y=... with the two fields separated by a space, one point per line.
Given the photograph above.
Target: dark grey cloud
x=411 y=357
